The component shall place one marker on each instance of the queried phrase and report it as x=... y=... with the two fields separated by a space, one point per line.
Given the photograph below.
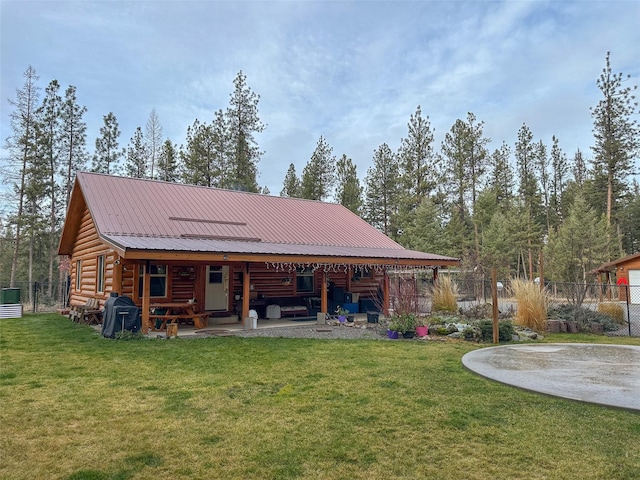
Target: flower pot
x=422 y=331
x=409 y=334
x=351 y=318
x=342 y=318
x=372 y=317
x=392 y=334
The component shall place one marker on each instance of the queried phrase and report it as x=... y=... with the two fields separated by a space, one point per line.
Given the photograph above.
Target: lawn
x=76 y=406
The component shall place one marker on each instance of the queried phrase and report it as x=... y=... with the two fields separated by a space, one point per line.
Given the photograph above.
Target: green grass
x=76 y=406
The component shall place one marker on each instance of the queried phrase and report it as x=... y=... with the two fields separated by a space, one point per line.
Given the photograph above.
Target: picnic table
x=174 y=313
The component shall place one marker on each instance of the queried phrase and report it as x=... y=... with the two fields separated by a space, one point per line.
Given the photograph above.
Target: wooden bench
x=88 y=313
x=199 y=320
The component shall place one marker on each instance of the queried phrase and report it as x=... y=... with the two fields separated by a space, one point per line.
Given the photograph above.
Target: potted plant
x=407 y=322
x=422 y=329
x=342 y=314
x=393 y=330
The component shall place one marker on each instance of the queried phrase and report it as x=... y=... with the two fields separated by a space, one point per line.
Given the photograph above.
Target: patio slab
x=595 y=373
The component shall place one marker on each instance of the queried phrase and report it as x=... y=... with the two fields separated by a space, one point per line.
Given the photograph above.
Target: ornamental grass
x=444 y=295
x=612 y=310
x=532 y=305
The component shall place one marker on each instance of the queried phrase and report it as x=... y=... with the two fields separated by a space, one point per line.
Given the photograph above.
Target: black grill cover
x=119 y=313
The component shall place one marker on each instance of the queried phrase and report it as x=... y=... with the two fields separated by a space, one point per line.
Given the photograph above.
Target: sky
x=352 y=72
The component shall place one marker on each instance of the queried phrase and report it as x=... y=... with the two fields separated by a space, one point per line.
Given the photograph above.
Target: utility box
x=9 y=296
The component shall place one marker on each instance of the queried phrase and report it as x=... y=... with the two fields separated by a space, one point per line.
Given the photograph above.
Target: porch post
x=146 y=294
x=324 y=302
x=116 y=280
x=385 y=293
x=246 y=289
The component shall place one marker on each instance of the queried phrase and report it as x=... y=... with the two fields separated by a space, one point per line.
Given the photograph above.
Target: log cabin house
x=228 y=252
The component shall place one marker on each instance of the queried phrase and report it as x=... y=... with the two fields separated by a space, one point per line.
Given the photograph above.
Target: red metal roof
x=154 y=215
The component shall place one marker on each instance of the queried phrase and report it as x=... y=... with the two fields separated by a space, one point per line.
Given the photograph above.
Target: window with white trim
x=100 y=274
x=78 y=274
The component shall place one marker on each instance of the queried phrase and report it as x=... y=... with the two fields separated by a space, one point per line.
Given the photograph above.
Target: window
x=78 y=275
x=158 y=280
x=358 y=274
x=304 y=279
x=100 y=274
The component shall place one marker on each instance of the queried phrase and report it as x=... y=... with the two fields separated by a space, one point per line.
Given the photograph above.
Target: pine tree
x=426 y=232
x=382 y=192
x=560 y=172
x=108 y=153
x=583 y=242
x=630 y=221
x=136 y=161
x=349 y=191
x=418 y=163
x=74 y=139
x=317 y=176
x=291 y=184
x=617 y=136
x=244 y=122
x=501 y=178
x=22 y=147
x=153 y=141
x=168 y=167
x=49 y=148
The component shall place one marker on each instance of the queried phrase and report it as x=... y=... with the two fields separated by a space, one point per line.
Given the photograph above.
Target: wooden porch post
x=116 y=280
x=386 y=298
x=246 y=291
x=324 y=301
x=146 y=294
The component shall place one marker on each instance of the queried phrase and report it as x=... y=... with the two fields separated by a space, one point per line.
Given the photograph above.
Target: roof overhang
x=135 y=248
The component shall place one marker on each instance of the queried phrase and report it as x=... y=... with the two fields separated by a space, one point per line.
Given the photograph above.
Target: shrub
x=584 y=316
x=613 y=310
x=505 y=330
x=532 y=305
x=444 y=295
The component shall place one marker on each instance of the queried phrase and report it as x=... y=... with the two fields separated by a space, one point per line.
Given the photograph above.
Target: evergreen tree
x=528 y=186
x=583 y=242
x=108 y=153
x=542 y=163
x=318 y=177
x=49 y=148
x=22 y=149
x=244 y=123
x=74 y=139
x=560 y=172
x=579 y=169
x=617 y=136
x=426 y=232
x=498 y=249
x=207 y=157
x=630 y=221
x=501 y=178
x=168 y=167
x=464 y=149
x=291 y=184
x=382 y=193
x=153 y=141
x=349 y=191
x=418 y=163
x=136 y=162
